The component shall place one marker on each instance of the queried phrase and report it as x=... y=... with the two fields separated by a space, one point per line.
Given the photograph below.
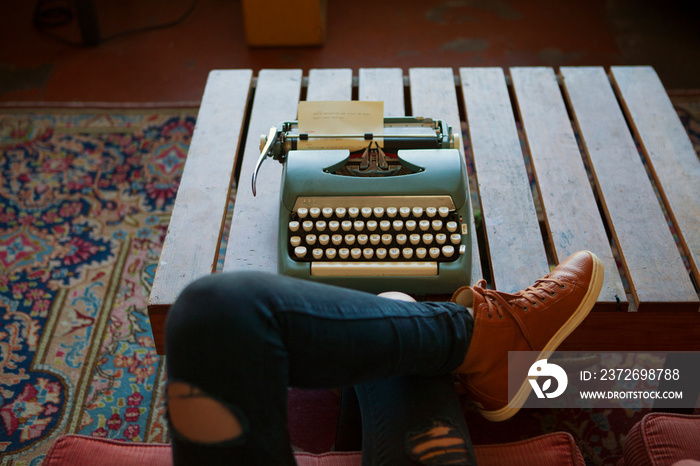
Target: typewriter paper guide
x=340 y=118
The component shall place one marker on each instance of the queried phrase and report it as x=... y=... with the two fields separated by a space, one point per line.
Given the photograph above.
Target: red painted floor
x=172 y=64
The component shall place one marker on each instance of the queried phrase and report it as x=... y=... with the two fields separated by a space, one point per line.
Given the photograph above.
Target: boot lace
x=499 y=302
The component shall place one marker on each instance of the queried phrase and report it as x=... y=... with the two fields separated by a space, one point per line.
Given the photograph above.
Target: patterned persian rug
x=85 y=197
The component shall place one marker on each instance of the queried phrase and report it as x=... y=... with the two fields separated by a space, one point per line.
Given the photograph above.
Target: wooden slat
x=252 y=241
x=571 y=213
x=668 y=151
x=433 y=95
x=649 y=255
x=514 y=239
x=384 y=84
x=336 y=84
x=189 y=253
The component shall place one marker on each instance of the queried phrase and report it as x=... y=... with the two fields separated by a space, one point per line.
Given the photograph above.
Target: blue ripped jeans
x=243 y=338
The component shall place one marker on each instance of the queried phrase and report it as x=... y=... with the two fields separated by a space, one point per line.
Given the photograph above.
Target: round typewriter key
x=384 y=225
x=295 y=241
x=398 y=225
x=391 y=212
x=330 y=253
x=362 y=239
x=444 y=211
x=344 y=253
x=300 y=251
x=407 y=253
x=324 y=239
x=410 y=225
x=327 y=212
x=302 y=212
x=451 y=227
x=394 y=253
x=448 y=251
x=346 y=225
x=367 y=253
x=314 y=212
x=421 y=252
x=386 y=239
x=424 y=225
x=405 y=211
x=366 y=212
x=310 y=240
x=340 y=212
x=437 y=225
x=441 y=238
x=337 y=239
x=356 y=253
x=414 y=239
x=381 y=253
x=455 y=238
x=434 y=253
x=427 y=238
x=321 y=225
x=430 y=212
x=371 y=225
x=378 y=212
x=358 y=225
x=374 y=239
x=294 y=226
x=334 y=225
x=308 y=225
x=417 y=212
x=317 y=253
x=349 y=240
x=353 y=212
x=401 y=239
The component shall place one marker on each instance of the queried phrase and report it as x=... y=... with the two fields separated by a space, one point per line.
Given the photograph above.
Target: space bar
x=374 y=269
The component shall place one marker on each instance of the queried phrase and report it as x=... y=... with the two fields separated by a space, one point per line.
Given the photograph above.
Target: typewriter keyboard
x=375 y=236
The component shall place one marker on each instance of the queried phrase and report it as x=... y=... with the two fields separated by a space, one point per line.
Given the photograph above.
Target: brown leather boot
x=538 y=318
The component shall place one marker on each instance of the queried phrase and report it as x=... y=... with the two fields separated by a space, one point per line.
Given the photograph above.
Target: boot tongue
x=468 y=297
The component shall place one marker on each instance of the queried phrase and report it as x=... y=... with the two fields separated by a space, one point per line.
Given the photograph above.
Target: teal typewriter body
x=394 y=218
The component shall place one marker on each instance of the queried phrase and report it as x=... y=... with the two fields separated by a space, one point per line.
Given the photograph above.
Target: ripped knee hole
x=198 y=417
x=440 y=444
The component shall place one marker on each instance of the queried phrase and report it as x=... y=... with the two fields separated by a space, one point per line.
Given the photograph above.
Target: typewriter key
x=434 y=253
x=314 y=212
x=394 y=253
x=437 y=225
x=427 y=238
x=431 y=211
x=327 y=212
x=448 y=251
x=455 y=238
x=381 y=253
x=414 y=239
x=310 y=240
x=410 y=225
x=417 y=212
x=356 y=253
x=293 y=226
x=300 y=251
x=324 y=239
x=424 y=225
x=405 y=211
x=295 y=241
x=443 y=211
x=384 y=225
x=451 y=227
x=302 y=212
x=421 y=252
x=391 y=212
x=366 y=212
x=407 y=253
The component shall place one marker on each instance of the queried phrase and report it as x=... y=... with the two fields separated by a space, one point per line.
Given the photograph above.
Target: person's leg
x=413 y=420
x=238 y=340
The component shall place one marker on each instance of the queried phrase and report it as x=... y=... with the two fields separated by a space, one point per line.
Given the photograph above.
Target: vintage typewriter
x=377 y=219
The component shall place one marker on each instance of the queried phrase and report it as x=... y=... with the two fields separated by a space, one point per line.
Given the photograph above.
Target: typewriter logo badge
x=547 y=371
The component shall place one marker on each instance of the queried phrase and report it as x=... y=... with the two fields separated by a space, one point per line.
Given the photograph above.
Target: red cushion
x=556 y=449
x=663 y=438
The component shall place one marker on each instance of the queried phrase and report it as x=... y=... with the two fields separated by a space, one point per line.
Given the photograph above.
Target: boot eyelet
x=500 y=317
x=490 y=316
x=563 y=287
x=524 y=309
